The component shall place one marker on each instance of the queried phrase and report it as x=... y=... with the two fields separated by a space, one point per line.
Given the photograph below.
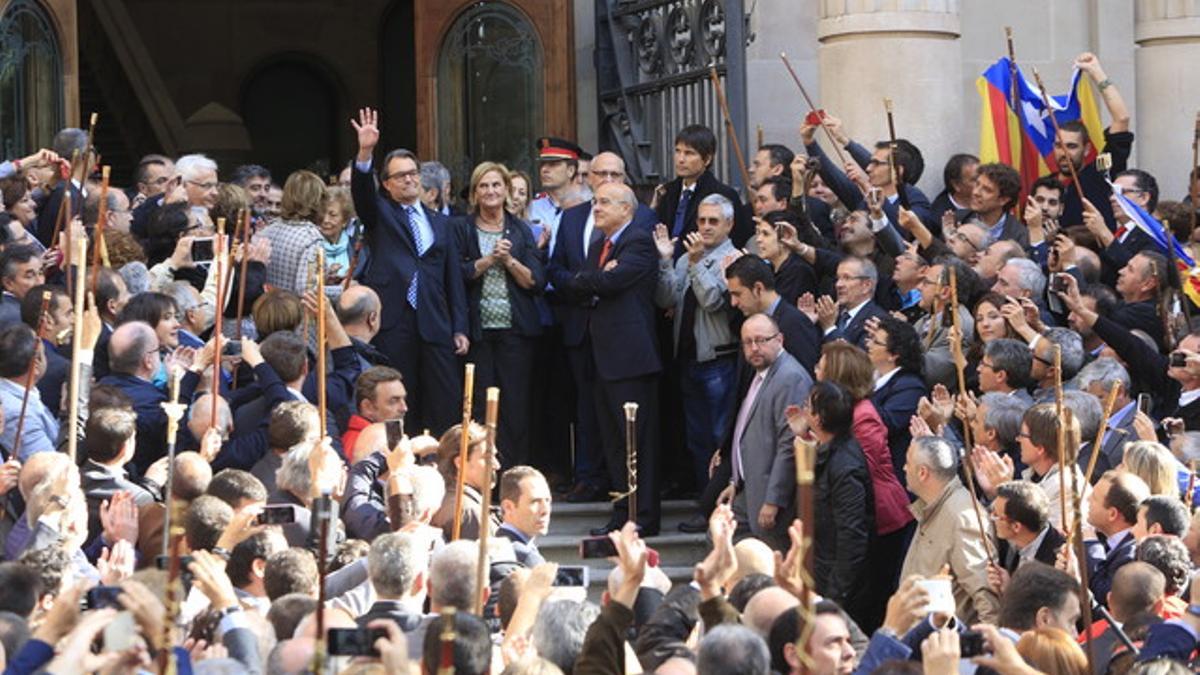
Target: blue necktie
x=685 y=198
x=422 y=246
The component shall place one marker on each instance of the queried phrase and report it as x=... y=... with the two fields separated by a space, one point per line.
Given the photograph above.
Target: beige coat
x=948 y=534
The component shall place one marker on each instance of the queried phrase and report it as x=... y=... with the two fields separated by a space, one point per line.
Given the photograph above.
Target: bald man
x=192 y=475
x=617 y=287
x=577 y=234
x=133 y=360
x=359 y=309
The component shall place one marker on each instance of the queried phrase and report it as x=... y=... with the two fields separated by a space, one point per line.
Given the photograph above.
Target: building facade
x=462 y=80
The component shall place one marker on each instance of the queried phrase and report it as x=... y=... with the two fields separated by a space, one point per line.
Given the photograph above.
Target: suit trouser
x=504 y=359
x=611 y=396
x=431 y=375
x=589 y=447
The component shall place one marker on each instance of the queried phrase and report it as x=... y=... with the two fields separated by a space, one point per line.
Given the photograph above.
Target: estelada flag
x=1015 y=128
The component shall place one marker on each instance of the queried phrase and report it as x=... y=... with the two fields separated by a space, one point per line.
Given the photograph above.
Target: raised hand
x=367 y=129
x=663 y=242
x=808 y=306
x=119 y=518
x=907 y=606
x=826 y=312
x=694 y=246
x=991 y=469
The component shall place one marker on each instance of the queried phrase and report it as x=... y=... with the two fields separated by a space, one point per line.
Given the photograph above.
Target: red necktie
x=604 y=251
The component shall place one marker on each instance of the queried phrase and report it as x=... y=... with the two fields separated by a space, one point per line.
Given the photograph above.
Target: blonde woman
x=1154 y=463
x=295 y=237
x=502 y=269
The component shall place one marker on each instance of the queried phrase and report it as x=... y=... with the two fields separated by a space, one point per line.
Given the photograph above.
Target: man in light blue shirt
x=18 y=348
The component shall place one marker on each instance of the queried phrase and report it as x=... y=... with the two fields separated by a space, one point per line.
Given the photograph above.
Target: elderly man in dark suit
x=847 y=318
x=618 y=283
x=415 y=272
x=763 y=473
x=577 y=236
x=397 y=565
x=525 y=509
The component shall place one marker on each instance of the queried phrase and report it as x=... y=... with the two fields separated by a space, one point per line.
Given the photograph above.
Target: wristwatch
x=221 y=614
x=1194 y=610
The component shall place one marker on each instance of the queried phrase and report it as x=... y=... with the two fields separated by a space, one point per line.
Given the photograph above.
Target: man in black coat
x=695 y=148
x=415 y=272
x=1022 y=517
x=619 y=282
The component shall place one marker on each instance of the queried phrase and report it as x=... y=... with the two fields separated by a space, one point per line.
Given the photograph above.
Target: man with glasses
x=935 y=299
x=1005 y=369
x=847 y=320
x=577 y=235
x=762 y=463
x=1021 y=515
x=150 y=178
x=415 y=272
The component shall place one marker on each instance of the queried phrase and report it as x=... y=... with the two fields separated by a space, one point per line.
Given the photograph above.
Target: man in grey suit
x=763 y=478
x=525 y=508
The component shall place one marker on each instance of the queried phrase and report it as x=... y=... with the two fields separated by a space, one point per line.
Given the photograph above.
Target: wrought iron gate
x=652 y=65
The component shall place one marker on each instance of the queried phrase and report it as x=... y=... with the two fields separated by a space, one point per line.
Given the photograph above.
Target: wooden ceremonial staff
x=238 y=236
x=631 y=459
x=481 y=570
x=960 y=366
x=1014 y=102
x=172 y=531
x=812 y=106
x=87 y=151
x=322 y=511
x=355 y=250
x=464 y=444
x=80 y=262
x=805 y=452
x=29 y=373
x=1062 y=432
x=241 y=296
x=1057 y=142
x=102 y=215
x=447 y=638
x=729 y=128
x=1109 y=402
x=896 y=182
x=321 y=337
x=1081 y=560
x=219 y=266
x=175 y=411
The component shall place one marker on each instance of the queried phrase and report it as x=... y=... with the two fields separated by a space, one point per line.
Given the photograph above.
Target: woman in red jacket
x=849 y=367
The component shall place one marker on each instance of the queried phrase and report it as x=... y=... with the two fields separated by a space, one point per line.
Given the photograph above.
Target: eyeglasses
x=403 y=175
x=758 y=341
x=210 y=185
x=875 y=162
x=987 y=365
x=1044 y=361
x=857 y=277
x=1023 y=435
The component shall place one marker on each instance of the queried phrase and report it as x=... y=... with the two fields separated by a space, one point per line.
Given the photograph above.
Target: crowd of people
x=986 y=405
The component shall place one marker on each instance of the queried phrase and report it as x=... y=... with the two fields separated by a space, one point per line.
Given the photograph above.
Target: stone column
x=1168 y=34
x=905 y=50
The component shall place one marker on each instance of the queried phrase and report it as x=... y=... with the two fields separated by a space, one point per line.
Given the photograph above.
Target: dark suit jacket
x=442 y=300
x=1140 y=316
x=58 y=368
x=1103 y=563
x=365 y=510
x=412 y=625
x=707 y=184
x=855 y=332
x=1047 y=552
x=1095 y=186
x=801 y=338
x=48 y=214
x=151 y=418
x=567 y=259
x=621 y=323
x=896 y=402
x=525 y=320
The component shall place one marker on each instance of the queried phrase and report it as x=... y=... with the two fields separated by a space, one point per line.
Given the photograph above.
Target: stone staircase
x=570 y=523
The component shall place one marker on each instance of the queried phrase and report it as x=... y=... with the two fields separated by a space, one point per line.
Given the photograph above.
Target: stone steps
x=570 y=523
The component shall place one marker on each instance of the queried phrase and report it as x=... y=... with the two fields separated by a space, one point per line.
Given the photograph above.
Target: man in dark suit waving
x=620 y=279
x=847 y=319
x=414 y=270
